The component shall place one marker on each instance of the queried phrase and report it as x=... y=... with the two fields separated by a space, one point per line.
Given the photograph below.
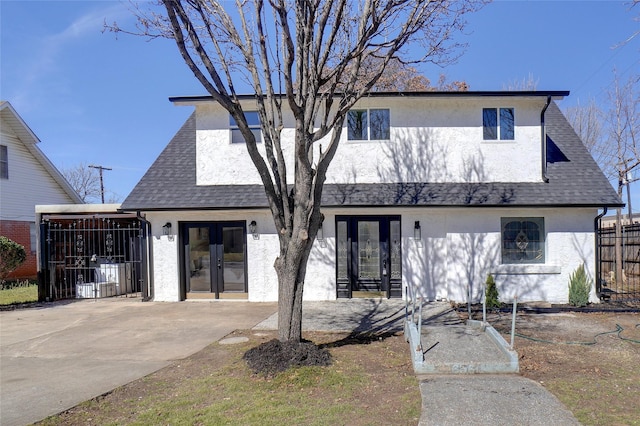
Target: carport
x=91 y=251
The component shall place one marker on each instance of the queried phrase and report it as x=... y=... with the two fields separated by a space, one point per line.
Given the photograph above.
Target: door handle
x=219 y=263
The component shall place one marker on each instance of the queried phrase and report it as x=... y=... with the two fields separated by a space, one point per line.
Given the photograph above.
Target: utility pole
x=100 y=169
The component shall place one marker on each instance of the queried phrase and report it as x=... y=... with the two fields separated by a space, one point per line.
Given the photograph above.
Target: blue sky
x=95 y=98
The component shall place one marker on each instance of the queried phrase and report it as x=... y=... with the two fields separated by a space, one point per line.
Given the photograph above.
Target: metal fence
x=91 y=257
x=627 y=288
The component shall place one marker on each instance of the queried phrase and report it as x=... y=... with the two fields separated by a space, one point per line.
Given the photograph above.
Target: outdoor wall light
x=253 y=228
x=417 y=232
x=166 y=228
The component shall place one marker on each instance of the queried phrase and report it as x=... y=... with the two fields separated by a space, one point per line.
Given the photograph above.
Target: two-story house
x=27 y=178
x=432 y=191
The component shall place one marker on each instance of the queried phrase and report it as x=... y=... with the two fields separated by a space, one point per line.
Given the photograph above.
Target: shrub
x=12 y=255
x=491 y=297
x=579 y=287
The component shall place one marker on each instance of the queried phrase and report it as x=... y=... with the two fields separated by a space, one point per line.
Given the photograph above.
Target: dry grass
x=369 y=383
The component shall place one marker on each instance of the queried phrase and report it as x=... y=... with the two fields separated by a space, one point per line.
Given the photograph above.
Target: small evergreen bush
x=491 y=296
x=579 y=287
x=12 y=255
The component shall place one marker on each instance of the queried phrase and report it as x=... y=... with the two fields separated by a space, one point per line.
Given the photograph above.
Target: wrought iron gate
x=626 y=289
x=92 y=256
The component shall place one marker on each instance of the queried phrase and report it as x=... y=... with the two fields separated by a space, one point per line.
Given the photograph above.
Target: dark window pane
x=506 y=124
x=489 y=123
x=253 y=119
x=236 y=136
x=4 y=162
x=357 y=125
x=379 y=124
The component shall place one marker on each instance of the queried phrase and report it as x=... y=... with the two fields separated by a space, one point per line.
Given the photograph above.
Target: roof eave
x=554 y=94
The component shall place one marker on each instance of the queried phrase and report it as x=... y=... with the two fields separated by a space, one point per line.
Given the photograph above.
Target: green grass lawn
x=23 y=294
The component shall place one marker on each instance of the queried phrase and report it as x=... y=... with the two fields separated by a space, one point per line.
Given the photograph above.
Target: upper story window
x=523 y=240
x=492 y=129
x=368 y=124
x=253 y=120
x=4 y=162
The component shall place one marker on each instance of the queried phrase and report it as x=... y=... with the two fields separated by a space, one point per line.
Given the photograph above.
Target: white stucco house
x=431 y=190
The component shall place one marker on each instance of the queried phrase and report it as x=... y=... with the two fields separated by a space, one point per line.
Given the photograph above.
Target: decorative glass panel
x=489 y=123
x=523 y=240
x=379 y=124
x=395 y=245
x=369 y=250
x=506 y=124
x=357 y=125
x=343 y=251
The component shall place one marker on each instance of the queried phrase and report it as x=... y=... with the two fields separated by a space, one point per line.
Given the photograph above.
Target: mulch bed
x=275 y=356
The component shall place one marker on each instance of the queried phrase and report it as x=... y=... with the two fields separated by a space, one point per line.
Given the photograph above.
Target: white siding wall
x=432 y=139
x=459 y=247
x=28 y=184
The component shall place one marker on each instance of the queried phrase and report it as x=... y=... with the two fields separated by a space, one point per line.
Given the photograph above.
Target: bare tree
x=623 y=123
x=402 y=77
x=528 y=83
x=305 y=56
x=587 y=120
x=633 y=35
x=85 y=181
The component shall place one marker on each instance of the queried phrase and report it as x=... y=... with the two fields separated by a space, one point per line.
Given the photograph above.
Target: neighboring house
x=430 y=190
x=27 y=178
x=610 y=221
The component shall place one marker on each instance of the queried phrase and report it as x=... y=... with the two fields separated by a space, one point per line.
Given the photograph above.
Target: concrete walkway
x=447 y=399
x=55 y=357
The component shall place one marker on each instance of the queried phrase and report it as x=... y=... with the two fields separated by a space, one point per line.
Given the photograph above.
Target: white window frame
x=236 y=137
x=500 y=134
x=368 y=125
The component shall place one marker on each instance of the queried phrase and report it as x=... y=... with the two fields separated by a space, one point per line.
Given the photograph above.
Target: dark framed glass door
x=368 y=256
x=214 y=258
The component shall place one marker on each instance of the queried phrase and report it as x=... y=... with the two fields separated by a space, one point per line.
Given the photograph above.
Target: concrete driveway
x=53 y=358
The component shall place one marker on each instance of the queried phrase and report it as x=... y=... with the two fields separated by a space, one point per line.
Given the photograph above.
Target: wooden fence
x=627 y=289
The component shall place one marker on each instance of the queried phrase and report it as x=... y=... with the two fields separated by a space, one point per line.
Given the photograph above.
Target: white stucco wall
x=458 y=248
x=432 y=139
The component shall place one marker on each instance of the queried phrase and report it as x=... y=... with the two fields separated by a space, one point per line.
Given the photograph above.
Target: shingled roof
x=574 y=181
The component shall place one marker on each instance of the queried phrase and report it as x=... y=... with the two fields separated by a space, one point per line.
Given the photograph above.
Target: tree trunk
x=291 y=274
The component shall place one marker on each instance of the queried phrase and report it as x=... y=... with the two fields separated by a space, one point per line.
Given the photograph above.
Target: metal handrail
x=412 y=300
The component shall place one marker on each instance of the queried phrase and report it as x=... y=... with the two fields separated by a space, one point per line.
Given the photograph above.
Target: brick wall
x=19 y=232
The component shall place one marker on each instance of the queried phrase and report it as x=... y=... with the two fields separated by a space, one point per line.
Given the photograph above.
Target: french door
x=369 y=257
x=214 y=255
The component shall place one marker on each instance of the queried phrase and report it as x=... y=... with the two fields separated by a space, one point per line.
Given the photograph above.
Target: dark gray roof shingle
x=574 y=180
